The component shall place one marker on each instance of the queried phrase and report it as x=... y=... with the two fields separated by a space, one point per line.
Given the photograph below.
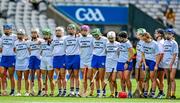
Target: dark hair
x=171 y=10
x=122 y=34
x=160 y=31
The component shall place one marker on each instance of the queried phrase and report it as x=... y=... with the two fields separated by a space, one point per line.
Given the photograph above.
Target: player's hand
x=170 y=66
x=125 y=66
x=156 y=68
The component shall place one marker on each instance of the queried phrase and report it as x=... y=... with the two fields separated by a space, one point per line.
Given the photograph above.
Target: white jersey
x=71 y=45
x=112 y=50
x=35 y=48
x=7 y=45
x=22 y=49
x=139 y=48
x=99 y=46
x=150 y=50
x=170 y=48
x=86 y=48
x=123 y=51
x=161 y=49
x=58 y=46
x=46 y=49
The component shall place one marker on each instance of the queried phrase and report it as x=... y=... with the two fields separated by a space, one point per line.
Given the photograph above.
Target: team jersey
x=86 y=48
x=150 y=50
x=160 y=45
x=123 y=51
x=46 y=49
x=170 y=48
x=99 y=46
x=7 y=44
x=139 y=48
x=71 y=45
x=112 y=50
x=22 y=49
x=35 y=48
x=58 y=46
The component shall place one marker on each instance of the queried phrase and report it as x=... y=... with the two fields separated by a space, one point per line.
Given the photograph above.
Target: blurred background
x=116 y=15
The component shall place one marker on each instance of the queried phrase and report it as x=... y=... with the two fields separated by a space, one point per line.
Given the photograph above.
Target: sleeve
x=28 y=43
x=129 y=45
x=175 y=48
x=1 y=43
x=156 y=49
x=142 y=47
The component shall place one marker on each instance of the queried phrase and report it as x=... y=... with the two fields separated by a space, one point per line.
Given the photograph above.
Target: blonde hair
x=148 y=35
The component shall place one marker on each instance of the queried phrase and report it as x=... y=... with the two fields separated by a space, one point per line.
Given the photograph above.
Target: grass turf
x=9 y=99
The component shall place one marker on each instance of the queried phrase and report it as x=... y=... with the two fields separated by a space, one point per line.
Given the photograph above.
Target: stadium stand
x=22 y=15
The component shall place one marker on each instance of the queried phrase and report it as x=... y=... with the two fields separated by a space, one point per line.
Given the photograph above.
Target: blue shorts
x=98 y=61
x=120 y=66
x=72 y=62
x=151 y=64
x=8 y=61
x=34 y=63
x=59 y=62
x=160 y=69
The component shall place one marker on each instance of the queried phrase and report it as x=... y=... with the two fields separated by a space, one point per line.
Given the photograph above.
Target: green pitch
x=9 y=99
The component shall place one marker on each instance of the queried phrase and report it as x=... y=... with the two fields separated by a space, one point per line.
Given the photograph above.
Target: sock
x=60 y=91
x=104 y=91
x=12 y=90
x=64 y=92
x=98 y=92
x=145 y=93
x=153 y=93
x=116 y=93
x=72 y=90
x=77 y=91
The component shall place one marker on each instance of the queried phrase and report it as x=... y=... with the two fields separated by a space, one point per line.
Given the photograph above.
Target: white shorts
x=46 y=63
x=166 y=65
x=85 y=64
x=110 y=64
x=22 y=64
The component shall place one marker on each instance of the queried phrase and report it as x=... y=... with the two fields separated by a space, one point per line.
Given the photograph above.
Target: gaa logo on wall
x=89 y=14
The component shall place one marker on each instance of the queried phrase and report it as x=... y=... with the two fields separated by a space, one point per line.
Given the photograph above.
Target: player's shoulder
x=174 y=42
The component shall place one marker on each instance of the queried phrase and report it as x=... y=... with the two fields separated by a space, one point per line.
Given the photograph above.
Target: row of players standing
x=90 y=54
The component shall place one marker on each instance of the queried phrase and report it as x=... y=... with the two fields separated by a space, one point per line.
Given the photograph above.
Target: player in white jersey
x=86 y=49
x=98 y=59
x=34 y=61
x=46 y=65
x=124 y=66
x=22 y=61
x=111 y=62
x=139 y=74
x=72 y=58
x=59 y=59
x=150 y=52
x=170 y=60
x=159 y=36
x=8 y=56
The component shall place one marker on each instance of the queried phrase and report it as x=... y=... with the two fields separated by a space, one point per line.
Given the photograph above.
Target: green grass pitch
x=10 y=99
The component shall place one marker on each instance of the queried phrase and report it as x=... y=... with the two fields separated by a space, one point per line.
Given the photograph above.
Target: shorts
x=85 y=63
x=120 y=66
x=34 y=63
x=160 y=69
x=46 y=63
x=137 y=65
x=72 y=62
x=22 y=64
x=8 y=61
x=166 y=65
x=98 y=61
x=59 y=62
x=151 y=64
x=110 y=65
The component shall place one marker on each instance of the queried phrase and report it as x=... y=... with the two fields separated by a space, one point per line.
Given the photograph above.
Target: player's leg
x=128 y=82
x=38 y=72
x=97 y=82
x=173 y=83
x=51 y=80
x=58 y=81
x=12 y=80
x=76 y=78
x=3 y=78
x=161 y=83
x=71 y=77
x=101 y=78
x=90 y=77
x=26 y=76
x=84 y=72
x=63 y=80
x=19 y=75
x=44 y=78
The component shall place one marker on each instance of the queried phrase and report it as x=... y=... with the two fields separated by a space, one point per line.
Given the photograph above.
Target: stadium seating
x=22 y=15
